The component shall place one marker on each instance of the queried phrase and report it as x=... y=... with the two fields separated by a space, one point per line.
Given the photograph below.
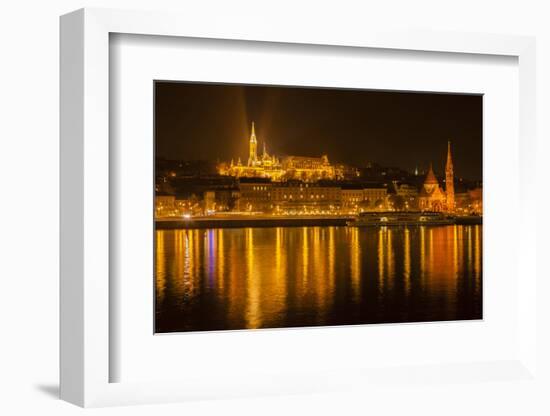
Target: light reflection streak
x=407 y=261
x=331 y=259
x=160 y=281
x=219 y=259
x=355 y=264
x=477 y=257
x=253 y=310
x=305 y=255
x=470 y=254
x=390 y=259
x=422 y=253
x=381 y=258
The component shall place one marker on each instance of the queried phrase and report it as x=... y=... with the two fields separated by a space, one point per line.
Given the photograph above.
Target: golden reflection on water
x=253 y=309
x=382 y=243
x=305 y=256
x=355 y=264
x=477 y=259
x=407 y=261
x=220 y=264
x=390 y=259
x=331 y=258
x=160 y=281
x=422 y=253
x=272 y=277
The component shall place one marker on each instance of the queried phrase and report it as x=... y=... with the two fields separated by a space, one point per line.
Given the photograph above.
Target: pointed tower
x=431 y=182
x=253 y=144
x=449 y=180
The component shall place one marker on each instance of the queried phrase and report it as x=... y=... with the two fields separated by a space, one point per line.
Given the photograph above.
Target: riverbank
x=272 y=221
x=474 y=220
x=241 y=222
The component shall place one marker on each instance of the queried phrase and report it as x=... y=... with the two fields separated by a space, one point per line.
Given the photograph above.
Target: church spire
x=252 y=152
x=449 y=165
x=253 y=135
x=449 y=180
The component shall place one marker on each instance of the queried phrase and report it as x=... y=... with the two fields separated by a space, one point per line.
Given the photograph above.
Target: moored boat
x=369 y=219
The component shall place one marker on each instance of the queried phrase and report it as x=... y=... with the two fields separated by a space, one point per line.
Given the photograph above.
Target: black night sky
x=212 y=122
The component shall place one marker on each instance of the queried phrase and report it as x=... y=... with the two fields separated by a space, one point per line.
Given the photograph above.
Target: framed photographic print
x=327 y=211
x=266 y=213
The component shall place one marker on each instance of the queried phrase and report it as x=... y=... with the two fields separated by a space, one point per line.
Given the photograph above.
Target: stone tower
x=253 y=144
x=449 y=180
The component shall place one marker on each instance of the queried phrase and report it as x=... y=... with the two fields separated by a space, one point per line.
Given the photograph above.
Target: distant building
x=308 y=168
x=191 y=206
x=432 y=197
x=408 y=195
x=255 y=195
x=375 y=198
x=476 y=201
x=346 y=172
x=303 y=198
x=165 y=206
x=406 y=190
x=209 y=201
x=272 y=167
x=227 y=199
x=352 y=199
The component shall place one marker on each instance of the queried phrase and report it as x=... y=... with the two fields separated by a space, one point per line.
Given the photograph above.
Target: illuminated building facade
x=308 y=168
x=304 y=198
x=469 y=202
x=165 y=206
x=309 y=185
x=255 y=196
x=269 y=166
x=352 y=198
x=476 y=201
x=375 y=198
x=432 y=197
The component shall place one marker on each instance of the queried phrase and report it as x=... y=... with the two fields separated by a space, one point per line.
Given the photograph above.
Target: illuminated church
x=434 y=198
x=270 y=166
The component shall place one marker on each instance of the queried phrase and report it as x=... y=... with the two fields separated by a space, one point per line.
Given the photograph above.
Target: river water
x=220 y=279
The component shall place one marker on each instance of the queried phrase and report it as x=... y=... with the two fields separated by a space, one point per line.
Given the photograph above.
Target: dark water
x=286 y=277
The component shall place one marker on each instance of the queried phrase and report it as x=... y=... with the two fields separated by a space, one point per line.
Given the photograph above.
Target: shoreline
x=249 y=223
x=265 y=222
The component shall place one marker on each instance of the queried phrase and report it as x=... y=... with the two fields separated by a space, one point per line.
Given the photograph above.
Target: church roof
x=432 y=193
x=430 y=177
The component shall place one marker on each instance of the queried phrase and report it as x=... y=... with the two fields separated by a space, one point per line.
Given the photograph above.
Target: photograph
x=289 y=206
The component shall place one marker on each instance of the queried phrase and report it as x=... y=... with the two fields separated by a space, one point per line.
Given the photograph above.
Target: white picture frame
x=85 y=165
